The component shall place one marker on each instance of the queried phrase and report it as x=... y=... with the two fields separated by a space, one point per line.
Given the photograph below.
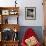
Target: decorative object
x=15 y=37
x=13 y=12
x=30 y=13
x=5 y=12
x=6 y=21
x=7 y=34
x=15 y=30
x=15 y=3
x=30 y=38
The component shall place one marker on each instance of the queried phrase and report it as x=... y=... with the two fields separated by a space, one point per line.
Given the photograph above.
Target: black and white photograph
x=30 y=13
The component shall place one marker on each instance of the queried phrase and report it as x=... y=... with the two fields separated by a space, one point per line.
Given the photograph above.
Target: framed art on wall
x=30 y=13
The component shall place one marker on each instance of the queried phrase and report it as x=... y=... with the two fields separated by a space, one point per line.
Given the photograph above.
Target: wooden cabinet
x=5 y=26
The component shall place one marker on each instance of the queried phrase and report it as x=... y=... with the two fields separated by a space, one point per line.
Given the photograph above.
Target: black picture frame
x=30 y=13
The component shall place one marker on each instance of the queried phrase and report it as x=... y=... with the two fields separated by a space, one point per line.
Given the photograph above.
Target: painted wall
x=26 y=3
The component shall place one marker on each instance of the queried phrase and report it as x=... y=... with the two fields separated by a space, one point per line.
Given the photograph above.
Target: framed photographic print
x=30 y=13
x=5 y=12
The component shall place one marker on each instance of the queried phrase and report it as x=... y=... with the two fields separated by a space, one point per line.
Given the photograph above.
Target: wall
x=27 y=3
x=39 y=12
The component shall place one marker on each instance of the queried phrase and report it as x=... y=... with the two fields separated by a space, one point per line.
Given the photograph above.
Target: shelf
x=9 y=10
x=10 y=26
x=11 y=41
x=4 y=8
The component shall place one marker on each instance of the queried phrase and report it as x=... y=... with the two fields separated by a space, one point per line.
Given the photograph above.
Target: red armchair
x=30 y=35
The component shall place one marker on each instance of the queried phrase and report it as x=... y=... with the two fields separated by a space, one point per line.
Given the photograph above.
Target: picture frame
x=5 y=12
x=30 y=13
